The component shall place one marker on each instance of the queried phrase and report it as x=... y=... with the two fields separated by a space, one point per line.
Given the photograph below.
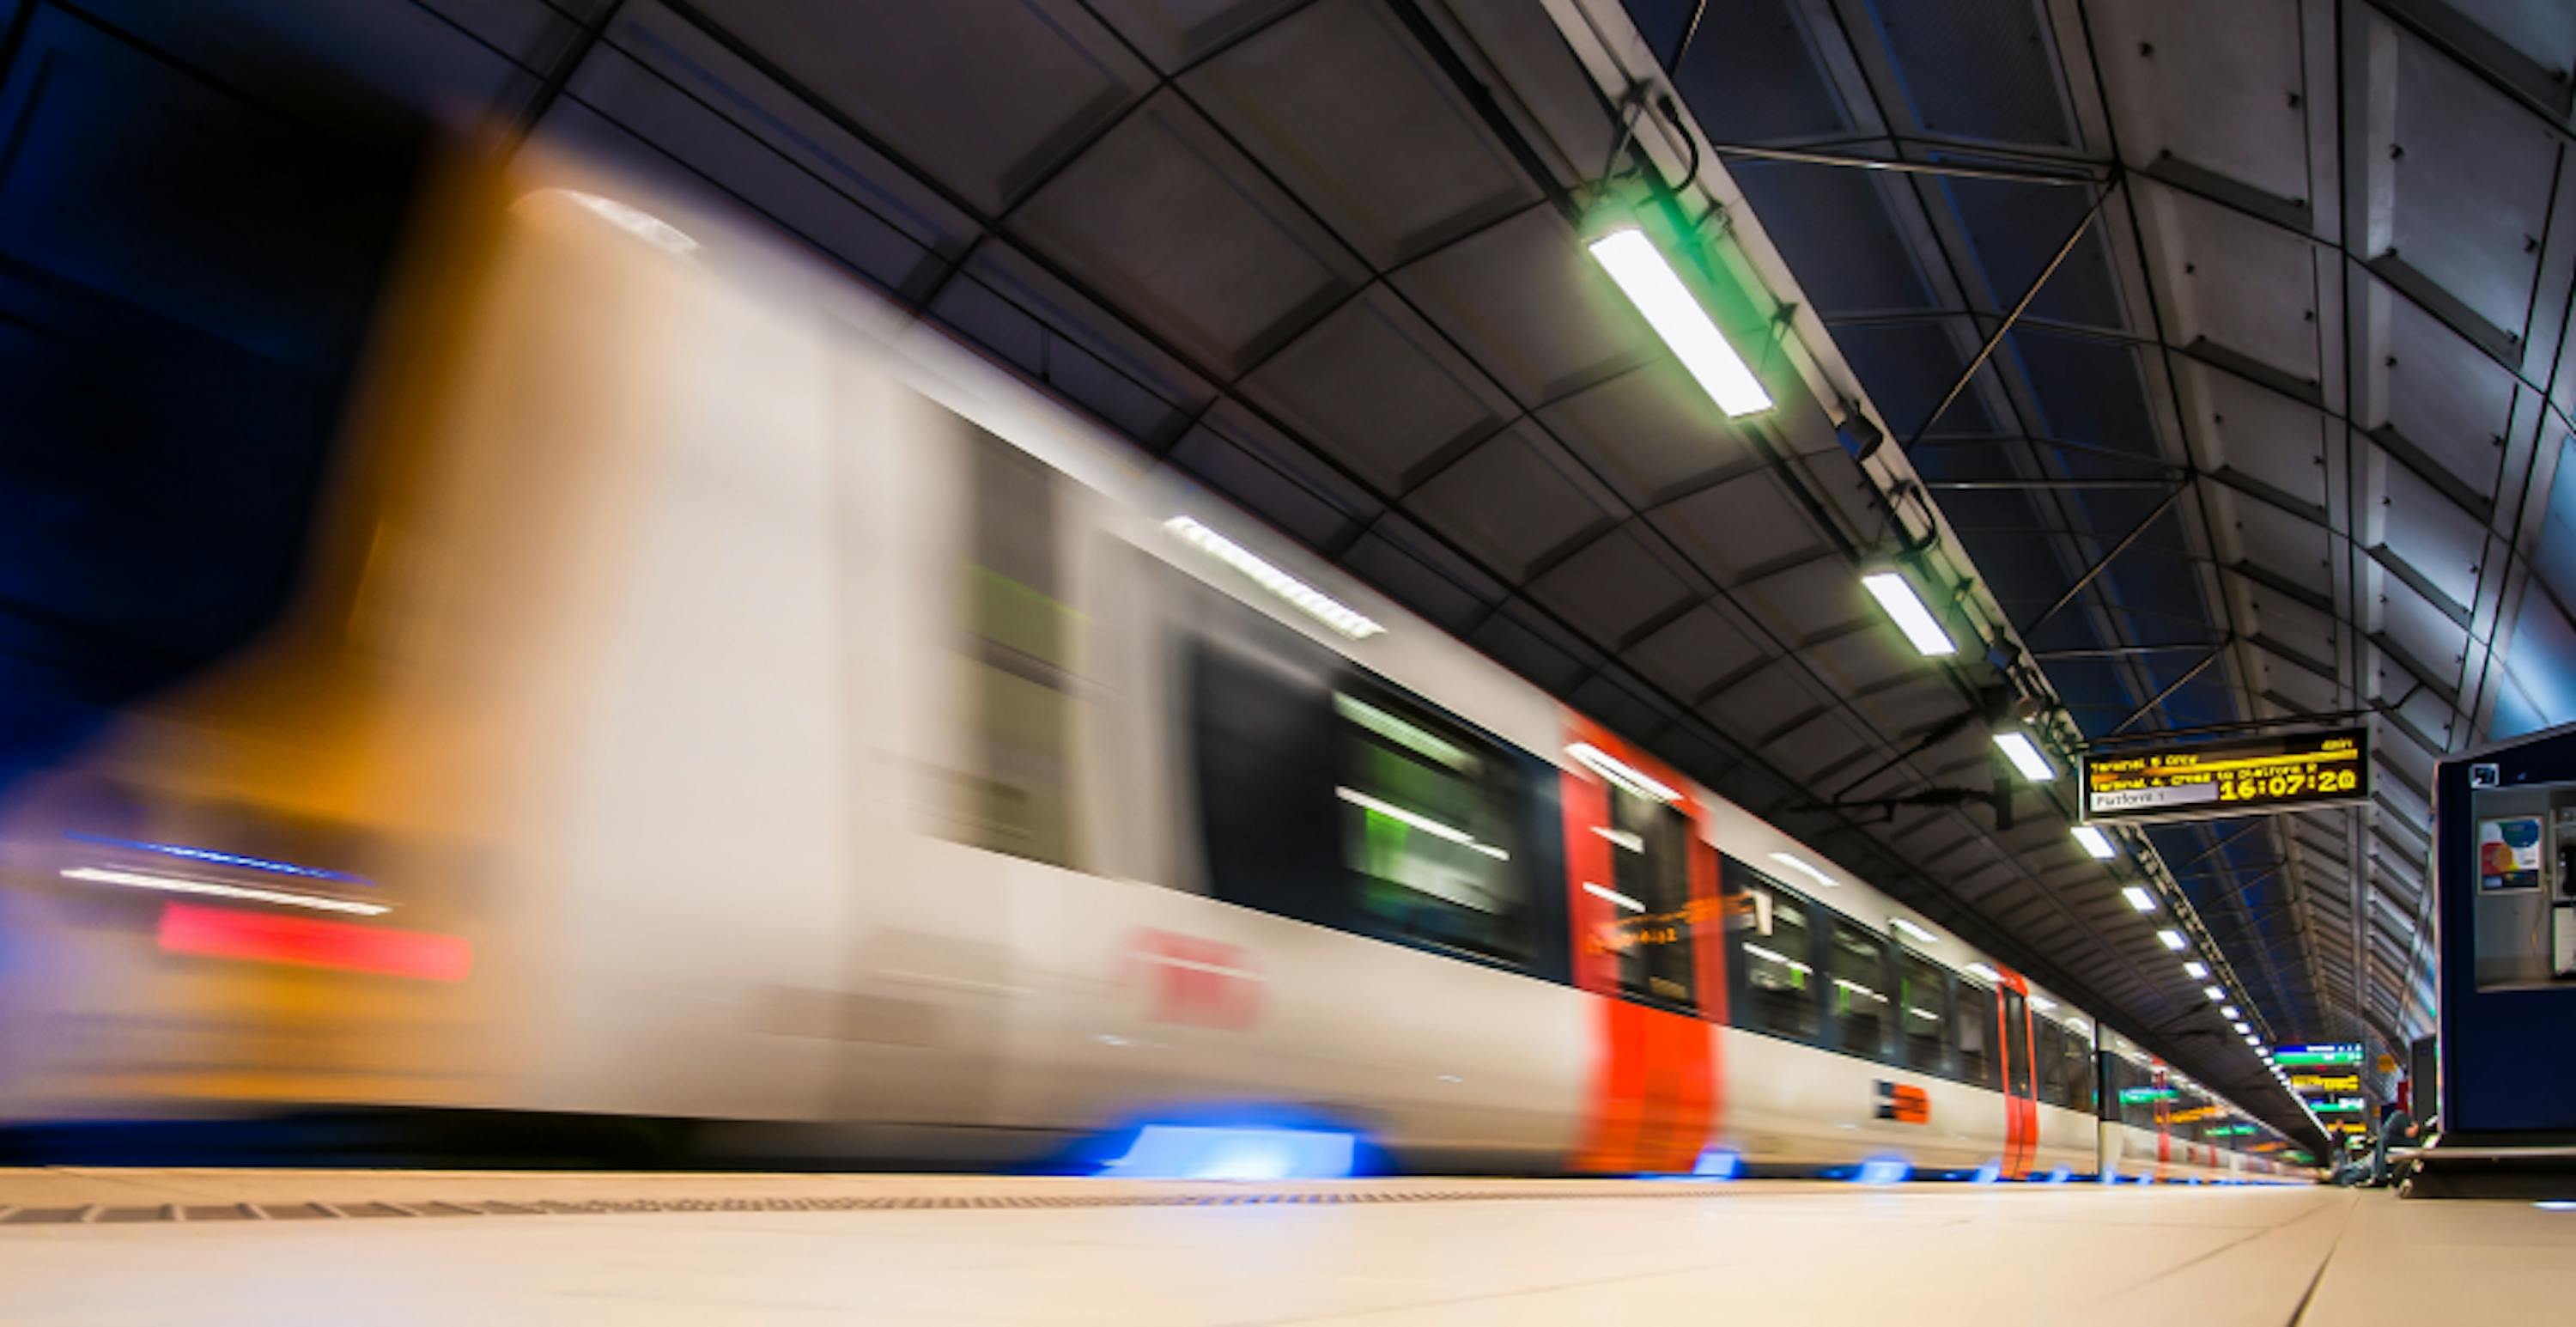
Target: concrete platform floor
x=345 y=1247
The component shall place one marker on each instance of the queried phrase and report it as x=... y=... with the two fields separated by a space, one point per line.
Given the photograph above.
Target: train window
x=2140 y=1094
x=2017 y=1043
x=1650 y=873
x=1772 y=952
x=1015 y=793
x=1976 y=1024
x=2065 y=1067
x=1923 y=1018
x=2048 y=1042
x=2075 y=1061
x=1328 y=794
x=1428 y=834
x=1856 y=967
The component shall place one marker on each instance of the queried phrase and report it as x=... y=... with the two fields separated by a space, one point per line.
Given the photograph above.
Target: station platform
x=273 y=1246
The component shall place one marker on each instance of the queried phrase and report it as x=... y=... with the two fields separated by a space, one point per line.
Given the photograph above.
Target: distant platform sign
x=2237 y=778
x=2318 y=1053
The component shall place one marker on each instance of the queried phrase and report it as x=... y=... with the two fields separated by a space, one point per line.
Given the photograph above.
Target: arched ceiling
x=2276 y=436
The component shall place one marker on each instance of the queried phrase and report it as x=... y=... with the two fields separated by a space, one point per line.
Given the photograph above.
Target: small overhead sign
x=2246 y=776
x=2318 y=1053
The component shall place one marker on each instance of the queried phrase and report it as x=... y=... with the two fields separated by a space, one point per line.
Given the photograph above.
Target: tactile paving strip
x=97 y=1214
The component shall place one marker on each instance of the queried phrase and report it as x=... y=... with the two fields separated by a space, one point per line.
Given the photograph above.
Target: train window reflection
x=1016 y=794
x=1650 y=861
x=1779 y=981
x=1976 y=1024
x=1923 y=1015
x=1427 y=830
x=2017 y=1064
x=1856 y=966
x=2065 y=1067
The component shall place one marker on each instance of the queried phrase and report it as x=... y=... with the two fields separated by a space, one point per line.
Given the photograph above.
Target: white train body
x=680 y=711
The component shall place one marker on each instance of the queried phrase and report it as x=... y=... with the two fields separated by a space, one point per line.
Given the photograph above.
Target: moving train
x=717 y=698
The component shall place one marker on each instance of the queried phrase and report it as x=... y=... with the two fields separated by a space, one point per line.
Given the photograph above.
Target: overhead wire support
x=1996 y=338
x=1899 y=166
x=2217 y=652
x=2104 y=562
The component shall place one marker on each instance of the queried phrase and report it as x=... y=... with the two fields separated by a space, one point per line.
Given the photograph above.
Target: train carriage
x=718 y=699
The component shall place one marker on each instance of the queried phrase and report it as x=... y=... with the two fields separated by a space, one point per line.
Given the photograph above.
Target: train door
x=2020 y=1078
x=1641 y=882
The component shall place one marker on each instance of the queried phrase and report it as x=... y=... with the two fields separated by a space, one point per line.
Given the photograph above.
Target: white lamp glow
x=1650 y=283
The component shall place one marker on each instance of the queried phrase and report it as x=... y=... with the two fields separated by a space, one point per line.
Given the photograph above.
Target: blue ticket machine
x=2505 y=874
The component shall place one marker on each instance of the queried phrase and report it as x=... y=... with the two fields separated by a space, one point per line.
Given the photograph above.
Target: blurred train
x=716 y=697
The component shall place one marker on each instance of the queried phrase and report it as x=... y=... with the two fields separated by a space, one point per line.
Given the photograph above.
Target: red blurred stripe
x=262 y=937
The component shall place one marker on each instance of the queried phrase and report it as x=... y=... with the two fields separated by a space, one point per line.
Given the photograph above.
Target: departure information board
x=2233 y=778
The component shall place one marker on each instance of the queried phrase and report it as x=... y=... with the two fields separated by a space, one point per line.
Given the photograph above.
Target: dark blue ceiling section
x=1757 y=80
x=1908 y=367
x=1835 y=224
x=1976 y=69
x=2090 y=390
x=2016 y=228
x=2240 y=884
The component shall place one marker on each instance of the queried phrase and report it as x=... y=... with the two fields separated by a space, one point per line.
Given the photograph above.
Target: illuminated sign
x=2235 y=778
x=2325 y=1083
x=2228 y=1130
x=2325 y=1053
x=2131 y=1096
x=2340 y=1106
x=2196 y=1113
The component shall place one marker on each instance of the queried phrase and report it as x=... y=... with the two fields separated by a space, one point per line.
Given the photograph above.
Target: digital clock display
x=2230 y=778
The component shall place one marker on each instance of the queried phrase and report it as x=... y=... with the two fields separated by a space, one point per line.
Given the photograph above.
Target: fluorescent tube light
x=173 y=884
x=1895 y=594
x=2138 y=898
x=1304 y=598
x=2230 y=1011
x=2025 y=756
x=1614 y=896
x=2173 y=940
x=1651 y=284
x=1911 y=929
x=2196 y=970
x=1981 y=970
x=2214 y=993
x=1620 y=772
x=1798 y=864
x=2096 y=842
x=1419 y=821
x=1621 y=838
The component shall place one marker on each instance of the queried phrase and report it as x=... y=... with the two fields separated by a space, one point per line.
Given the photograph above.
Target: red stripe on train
x=304 y=942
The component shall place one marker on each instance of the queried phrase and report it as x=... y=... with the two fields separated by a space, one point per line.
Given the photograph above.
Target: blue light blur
x=2058 y=1176
x=1198 y=1152
x=221 y=858
x=1883 y=1170
x=2556 y=1204
x=1987 y=1173
x=1718 y=1163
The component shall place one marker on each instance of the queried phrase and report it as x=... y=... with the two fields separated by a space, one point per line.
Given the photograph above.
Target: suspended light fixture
x=2138 y=897
x=2097 y=844
x=2025 y=755
x=1650 y=283
x=1896 y=595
